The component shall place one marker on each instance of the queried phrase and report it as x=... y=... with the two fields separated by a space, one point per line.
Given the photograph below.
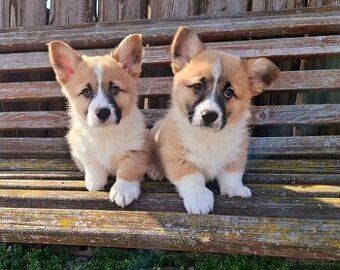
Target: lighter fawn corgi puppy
x=107 y=134
x=205 y=134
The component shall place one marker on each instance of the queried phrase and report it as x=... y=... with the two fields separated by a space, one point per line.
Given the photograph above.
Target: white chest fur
x=107 y=145
x=211 y=150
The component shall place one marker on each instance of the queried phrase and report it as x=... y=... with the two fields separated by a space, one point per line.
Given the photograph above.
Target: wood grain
x=121 y=10
x=289 y=81
x=299 y=207
x=264 y=190
x=262 y=115
x=260 y=147
x=159 y=55
x=72 y=12
x=223 y=7
x=298 y=23
x=173 y=231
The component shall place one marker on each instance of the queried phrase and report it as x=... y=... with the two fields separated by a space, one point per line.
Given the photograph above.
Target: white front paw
x=95 y=183
x=198 y=201
x=241 y=191
x=124 y=192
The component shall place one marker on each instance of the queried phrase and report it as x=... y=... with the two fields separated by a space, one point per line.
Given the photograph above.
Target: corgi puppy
x=107 y=134
x=205 y=134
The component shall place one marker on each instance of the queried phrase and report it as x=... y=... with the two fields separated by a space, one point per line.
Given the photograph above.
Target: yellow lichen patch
x=66 y=222
x=329 y=201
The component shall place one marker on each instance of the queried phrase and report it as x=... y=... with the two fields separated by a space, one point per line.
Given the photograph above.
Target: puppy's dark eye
x=198 y=87
x=228 y=92
x=114 y=90
x=87 y=92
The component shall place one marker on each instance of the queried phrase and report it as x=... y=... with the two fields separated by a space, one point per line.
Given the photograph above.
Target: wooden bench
x=295 y=179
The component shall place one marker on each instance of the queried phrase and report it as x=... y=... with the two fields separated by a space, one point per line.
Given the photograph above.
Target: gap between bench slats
x=301 y=47
x=289 y=178
x=309 y=21
x=289 y=81
x=321 y=114
x=302 y=207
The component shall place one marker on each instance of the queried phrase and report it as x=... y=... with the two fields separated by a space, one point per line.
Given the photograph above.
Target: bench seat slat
x=289 y=81
x=261 y=115
x=306 y=166
x=302 y=207
x=300 y=47
x=266 y=190
x=173 y=231
x=296 y=23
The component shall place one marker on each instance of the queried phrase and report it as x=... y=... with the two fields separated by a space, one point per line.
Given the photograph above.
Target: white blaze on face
x=100 y=101
x=216 y=71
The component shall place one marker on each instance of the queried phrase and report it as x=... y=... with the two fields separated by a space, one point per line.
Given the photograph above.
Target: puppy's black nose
x=209 y=117
x=103 y=114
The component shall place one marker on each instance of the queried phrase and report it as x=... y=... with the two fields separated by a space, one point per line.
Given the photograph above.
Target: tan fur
x=121 y=150
x=190 y=63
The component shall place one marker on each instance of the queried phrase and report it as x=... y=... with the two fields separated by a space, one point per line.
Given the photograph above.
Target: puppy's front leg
x=95 y=176
x=230 y=180
x=130 y=173
x=190 y=184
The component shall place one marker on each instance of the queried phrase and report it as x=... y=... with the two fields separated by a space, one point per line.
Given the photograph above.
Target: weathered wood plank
x=265 y=190
x=46 y=175
x=223 y=7
x=121 y=10
x=161 y=32
x=173 y=231
x=289 y=81
x=19 y=13
x=311 y=146
x=72 y=12
x=302 y=207
x=299 y=47
x=262 y=115
x=173 y=9
x=260 y=147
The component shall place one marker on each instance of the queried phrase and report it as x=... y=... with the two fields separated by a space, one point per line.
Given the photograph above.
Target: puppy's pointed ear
x=129 y=54
x=261 y=72
x=185 y=46
x=63 y=60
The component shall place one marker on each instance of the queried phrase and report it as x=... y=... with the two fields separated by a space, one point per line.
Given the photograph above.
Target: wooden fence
x=32 y=13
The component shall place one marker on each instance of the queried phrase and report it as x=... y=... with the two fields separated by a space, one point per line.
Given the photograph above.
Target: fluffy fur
x=205 y=135
x=107 y=132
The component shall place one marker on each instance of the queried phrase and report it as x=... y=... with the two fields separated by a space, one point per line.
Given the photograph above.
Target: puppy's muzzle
x=209 y=117
x=103 y=114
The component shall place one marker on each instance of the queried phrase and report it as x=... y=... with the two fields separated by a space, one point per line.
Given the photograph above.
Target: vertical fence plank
x=166 y=9
x=276 y=5
x=122 y=10
x=223 y=7
x=72 y=12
